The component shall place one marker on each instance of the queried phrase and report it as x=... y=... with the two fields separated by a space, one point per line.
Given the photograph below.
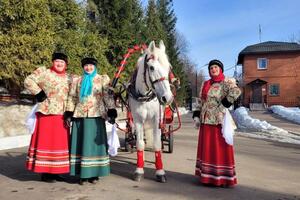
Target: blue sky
x=222 y=28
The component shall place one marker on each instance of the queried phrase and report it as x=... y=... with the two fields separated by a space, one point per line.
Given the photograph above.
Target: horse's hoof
x=161 y=178
x=138 y=177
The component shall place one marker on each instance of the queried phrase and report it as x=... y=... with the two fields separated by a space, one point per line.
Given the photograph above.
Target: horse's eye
x=151 y=68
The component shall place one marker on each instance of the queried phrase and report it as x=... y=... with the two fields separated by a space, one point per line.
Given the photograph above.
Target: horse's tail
x=148 y=130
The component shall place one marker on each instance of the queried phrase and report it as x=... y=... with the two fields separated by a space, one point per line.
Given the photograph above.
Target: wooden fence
x=26 y=99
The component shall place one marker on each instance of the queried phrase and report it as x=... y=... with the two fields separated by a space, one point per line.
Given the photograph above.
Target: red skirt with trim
x=49 y=146
x=215 y=158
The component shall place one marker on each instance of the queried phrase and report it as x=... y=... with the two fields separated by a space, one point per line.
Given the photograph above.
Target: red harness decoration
x=123 y=62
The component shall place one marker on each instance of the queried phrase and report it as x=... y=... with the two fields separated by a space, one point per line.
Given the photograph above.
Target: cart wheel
x=171 y=139
x=128 y=147
x=127 y=144
x=162 y=139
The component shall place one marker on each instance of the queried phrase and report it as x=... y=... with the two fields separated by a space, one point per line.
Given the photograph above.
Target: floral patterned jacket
x=96 y=104
x=211 y=110
x=55 y=86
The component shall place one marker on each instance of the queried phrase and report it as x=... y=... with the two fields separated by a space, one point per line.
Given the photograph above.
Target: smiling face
x=214 y=70
x=60 y=65
x=89 y=68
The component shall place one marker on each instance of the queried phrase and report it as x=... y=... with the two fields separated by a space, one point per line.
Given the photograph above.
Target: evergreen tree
x=31 y=30
x=155 y=30
x=26 y=39
x=168 y=20
x=74 y=35
x=121 y=22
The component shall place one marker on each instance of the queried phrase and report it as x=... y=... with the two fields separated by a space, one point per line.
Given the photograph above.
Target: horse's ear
x=162 y=46
x=151 y=46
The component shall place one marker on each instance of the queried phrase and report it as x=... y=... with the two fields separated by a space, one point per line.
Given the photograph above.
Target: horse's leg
x=160 y=173
x=140 y=145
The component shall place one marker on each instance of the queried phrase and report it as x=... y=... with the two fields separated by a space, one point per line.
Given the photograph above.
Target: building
x=271 y=74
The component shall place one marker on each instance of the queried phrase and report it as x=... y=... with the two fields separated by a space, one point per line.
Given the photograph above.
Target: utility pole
x=196 y=82
x=259 y=33
x=235 y=74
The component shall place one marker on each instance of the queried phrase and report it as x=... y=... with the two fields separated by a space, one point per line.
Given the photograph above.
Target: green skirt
x=89 y=157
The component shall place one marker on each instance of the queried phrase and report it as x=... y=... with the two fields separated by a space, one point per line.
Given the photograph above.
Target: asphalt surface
x=265 y=170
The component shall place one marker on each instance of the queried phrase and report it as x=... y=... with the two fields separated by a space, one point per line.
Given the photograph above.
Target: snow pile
x=292 y=114
x=12 y=120
x=182 y=111
x=244 y=121
x=261 y=129
x=25 y=91
x=3 y=90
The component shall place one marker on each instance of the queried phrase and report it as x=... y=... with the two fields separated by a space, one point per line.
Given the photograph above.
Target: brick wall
x=282 y=69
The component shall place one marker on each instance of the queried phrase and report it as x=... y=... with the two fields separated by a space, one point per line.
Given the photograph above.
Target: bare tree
x=181 y=43
x=295 y=37
x=195 y=77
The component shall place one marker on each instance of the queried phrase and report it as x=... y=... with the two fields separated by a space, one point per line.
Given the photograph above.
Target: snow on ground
x=3 y=90
x=183 y=111
x=291 y=113
x=25 y=91
x=13 y=132
x=261 y=129
x=12 y=120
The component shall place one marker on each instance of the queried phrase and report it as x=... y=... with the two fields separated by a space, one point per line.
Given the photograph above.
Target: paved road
x=265 y=170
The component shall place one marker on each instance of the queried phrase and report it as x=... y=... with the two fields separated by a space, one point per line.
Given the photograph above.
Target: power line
x=229 y=68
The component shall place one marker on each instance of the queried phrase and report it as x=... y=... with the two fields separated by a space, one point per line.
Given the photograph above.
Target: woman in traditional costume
x=48 y=152
x=90 y=104
x=215 y=158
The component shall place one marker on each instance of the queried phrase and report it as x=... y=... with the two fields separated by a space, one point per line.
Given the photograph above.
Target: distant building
x=271 y=74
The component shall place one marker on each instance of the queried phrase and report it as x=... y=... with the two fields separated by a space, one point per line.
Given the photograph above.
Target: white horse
x=146 y=100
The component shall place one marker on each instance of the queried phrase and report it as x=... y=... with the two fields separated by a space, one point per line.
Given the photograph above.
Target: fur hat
x=60 y=56
x=85 y=61
x=216 y=62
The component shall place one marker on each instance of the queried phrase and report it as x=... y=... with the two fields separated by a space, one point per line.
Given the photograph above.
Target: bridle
x=150 y=93
x=147 y=69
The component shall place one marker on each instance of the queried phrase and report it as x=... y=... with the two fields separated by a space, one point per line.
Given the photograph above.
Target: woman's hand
x=68 y=118
x=196 y=122
x=112 y=114
x=41 y=96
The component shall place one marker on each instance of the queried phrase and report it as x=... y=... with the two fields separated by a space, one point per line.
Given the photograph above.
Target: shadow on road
x=187 y=186
x=13 y=166
x=180 y=185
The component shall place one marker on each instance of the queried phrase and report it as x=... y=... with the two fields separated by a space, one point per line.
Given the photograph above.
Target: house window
x=262 y=63
x=274 y=90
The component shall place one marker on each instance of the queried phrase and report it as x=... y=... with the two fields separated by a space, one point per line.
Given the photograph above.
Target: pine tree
x=155 y=30
x=26 y=39
x=168 y=20
x=121 y=22
x=75 y=36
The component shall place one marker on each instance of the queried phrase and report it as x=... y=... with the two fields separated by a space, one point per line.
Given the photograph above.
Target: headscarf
x=58 y=72
x=207 y=84
x=87 y=84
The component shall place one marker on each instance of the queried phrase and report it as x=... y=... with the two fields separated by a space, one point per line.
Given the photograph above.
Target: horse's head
x=157 y=66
